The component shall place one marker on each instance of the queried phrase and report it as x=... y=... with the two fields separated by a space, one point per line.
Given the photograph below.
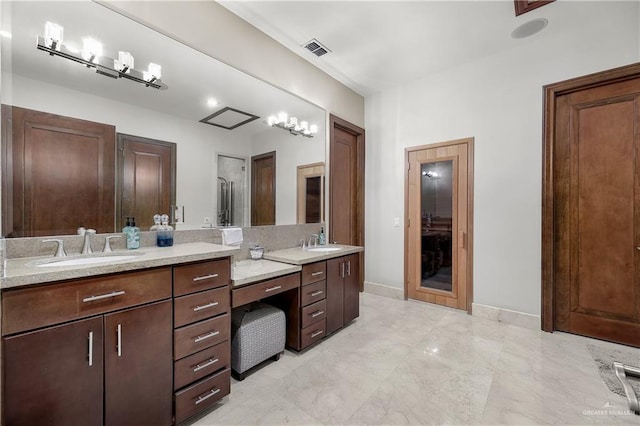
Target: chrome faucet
x=303 y=243
x=313 y=237
x=60 y=250
x=107 y=243
x=86 y=247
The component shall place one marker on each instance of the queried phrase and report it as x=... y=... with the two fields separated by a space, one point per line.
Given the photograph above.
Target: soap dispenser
x=322 y=239
x=165 y=233
x=132 y=233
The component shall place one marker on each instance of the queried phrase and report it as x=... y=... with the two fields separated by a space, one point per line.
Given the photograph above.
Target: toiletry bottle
x=165 y=233
x=125 y=230
x=156 y=223
x=133 y=235
x=322 y=239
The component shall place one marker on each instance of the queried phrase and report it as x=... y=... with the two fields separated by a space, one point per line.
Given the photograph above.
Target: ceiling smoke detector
x=315 y=47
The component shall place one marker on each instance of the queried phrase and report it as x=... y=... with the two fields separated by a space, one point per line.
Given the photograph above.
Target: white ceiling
x=380 y=44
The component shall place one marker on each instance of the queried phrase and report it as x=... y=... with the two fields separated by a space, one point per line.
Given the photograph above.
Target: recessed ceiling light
x=211 y=102
x=529 y=28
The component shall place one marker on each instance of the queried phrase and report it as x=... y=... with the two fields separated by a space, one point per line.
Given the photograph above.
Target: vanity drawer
x=313 y=333
x=200 y=276
x=196 y=366
x=29 y=308
x=314 y=272
x=202 y=395
x=261 y=290
x=313 y=313
x=199 y=306
x=201 y=335
x=313 y=292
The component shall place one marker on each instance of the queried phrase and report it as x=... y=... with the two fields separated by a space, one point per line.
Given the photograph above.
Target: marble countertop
x=25 y=270
x=249 y=271
x=298 y=256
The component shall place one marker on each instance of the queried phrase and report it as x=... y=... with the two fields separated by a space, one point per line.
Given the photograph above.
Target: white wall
x=498 y=101
x=197 y=143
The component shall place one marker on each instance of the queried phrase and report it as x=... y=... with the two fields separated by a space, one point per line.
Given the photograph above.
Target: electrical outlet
x=207 y=219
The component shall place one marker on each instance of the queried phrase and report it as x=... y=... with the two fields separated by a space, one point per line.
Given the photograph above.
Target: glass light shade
x=313 y=129
x=304 y=125
x=293 y=122
x=91 y=49
x=53 y=34
x=283 y=117
x=124 y=61
x=272 y=120
x=155 y=70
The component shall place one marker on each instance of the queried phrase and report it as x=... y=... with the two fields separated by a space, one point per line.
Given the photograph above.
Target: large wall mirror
x=201 y=130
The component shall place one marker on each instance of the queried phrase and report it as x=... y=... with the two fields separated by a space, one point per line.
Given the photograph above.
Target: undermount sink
x=321 y=249
x=81 y=261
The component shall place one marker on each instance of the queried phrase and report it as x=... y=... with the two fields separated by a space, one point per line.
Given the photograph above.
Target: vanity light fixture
x=292 y=125
x=431 y=175
x=92 y=57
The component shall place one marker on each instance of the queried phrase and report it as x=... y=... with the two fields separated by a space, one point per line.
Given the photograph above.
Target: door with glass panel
x=437 y=229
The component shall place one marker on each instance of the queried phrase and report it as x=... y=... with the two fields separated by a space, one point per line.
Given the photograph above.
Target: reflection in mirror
x=310 y=183
x=232 y=181
x=437 y=208
x=198 y=88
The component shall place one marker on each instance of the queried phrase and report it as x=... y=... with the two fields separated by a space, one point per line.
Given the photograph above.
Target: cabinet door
x=351 y=287
x=55 y=376
x=138 y=366
x=335 y=294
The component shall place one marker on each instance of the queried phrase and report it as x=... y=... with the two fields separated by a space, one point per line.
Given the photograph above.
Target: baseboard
x=384 y=290
x=506 y=316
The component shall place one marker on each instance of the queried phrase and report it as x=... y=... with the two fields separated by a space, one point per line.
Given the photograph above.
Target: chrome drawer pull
x=317 y=333
x=205 y=277
x=205 y=365
x=278 y=287
x=90 y=348
x=349 y=268
x=317 y=293
x=206 y=336
x=119 y=344
x=207 y=396
x=103 y=296
x=315 y=274
x=316 y=314
x=209 y=305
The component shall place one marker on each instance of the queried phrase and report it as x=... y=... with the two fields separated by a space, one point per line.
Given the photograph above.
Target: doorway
x=147 y=179
x=438 y=229
x=346 y=185
x=231 y=188
x=591 y=206
x=310 y=193
x=263 y=189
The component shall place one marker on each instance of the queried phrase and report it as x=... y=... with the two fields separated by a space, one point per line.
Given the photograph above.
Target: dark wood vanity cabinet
x=202 y=328
x=112 y=368
x=343 y=292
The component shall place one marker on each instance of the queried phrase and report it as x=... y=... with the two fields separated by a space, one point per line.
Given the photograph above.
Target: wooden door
x=138 y=369
x=263 y=189
x=351 y=287
x=55 y=376
x=335 y=294
x=451 y=231
x=597 y=211
x=346 y=186
x=147 y=173
x=59 y=175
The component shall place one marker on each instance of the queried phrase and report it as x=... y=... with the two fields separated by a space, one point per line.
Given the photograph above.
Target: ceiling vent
x=315 y=47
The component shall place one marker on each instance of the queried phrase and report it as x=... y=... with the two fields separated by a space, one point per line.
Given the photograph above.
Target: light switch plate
x=396 y=221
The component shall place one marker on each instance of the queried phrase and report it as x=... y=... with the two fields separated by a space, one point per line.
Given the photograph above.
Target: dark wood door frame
x=551 y=92
x=359 y=133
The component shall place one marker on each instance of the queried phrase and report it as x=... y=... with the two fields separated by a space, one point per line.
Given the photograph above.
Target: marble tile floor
x=412 y=363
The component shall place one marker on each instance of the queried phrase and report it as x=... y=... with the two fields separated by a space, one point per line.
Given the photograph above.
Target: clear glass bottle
x=165 y=233
x=132 y=233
